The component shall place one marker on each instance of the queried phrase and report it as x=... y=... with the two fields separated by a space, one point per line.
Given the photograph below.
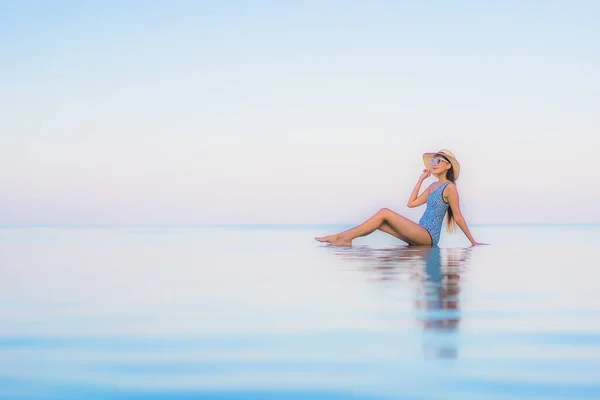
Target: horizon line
x=266 y=225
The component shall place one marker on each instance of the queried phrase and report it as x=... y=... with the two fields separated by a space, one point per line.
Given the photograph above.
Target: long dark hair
x=450 y=223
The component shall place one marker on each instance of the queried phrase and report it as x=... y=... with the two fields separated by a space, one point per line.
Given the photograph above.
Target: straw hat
x=446 y=153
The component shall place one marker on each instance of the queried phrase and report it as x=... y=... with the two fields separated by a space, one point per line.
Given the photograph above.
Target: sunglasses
x=436 y=161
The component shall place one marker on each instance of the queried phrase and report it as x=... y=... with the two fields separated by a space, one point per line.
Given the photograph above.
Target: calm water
x=267 y=313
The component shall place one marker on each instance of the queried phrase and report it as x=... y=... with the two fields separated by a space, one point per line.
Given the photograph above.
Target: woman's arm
x=453 y=199
x=415 y=200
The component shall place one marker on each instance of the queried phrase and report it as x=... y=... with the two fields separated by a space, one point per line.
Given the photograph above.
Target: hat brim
x=455 y=164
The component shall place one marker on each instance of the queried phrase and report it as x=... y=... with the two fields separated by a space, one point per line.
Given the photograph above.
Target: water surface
x=266 y=312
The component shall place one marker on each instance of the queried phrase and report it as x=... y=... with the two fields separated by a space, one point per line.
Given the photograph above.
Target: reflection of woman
x=440 y=301
x=438 y=273
x=441 y=198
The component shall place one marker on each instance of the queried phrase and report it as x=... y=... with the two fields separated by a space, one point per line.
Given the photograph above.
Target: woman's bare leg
x=384 y=227
x=389 y=222
x=372 y=224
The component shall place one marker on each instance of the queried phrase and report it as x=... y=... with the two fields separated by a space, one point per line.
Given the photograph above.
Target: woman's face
x=439 y=165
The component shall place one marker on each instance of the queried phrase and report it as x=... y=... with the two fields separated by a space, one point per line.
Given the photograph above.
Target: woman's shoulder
x=450 y=187
x=447 y=184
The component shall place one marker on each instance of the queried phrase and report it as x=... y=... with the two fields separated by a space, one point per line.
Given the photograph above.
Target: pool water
x=265 y=312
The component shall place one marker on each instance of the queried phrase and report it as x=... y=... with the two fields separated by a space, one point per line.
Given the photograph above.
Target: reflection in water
x=437 y=273
x=440 y=301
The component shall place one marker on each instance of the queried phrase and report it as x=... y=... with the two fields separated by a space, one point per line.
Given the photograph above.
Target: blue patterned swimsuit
x=433 y=217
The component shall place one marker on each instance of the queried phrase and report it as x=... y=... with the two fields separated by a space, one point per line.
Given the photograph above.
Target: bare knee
x=384 y=212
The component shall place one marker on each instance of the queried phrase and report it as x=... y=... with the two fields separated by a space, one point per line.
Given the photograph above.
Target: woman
x=441 y=198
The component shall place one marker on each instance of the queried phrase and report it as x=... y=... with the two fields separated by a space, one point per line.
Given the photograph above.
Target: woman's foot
x=341 y=241
x=334 y=240
x=326 y=239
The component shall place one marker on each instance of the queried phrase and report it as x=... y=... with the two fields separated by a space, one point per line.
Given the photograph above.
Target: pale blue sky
x=143 y=112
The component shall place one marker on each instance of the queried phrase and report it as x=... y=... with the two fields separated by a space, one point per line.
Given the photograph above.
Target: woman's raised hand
x=426 y=174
